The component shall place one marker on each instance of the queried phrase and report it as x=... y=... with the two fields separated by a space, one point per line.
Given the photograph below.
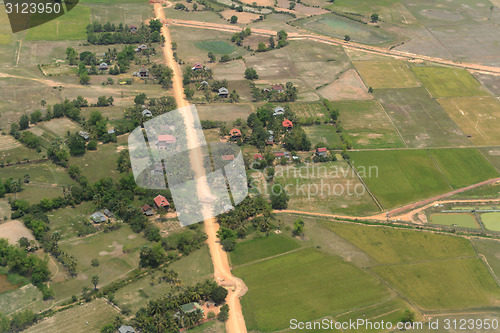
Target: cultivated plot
x=386 y=74
x=324 y=135
x=449 y=82
x=224 y=112
x=402 y=176
x=446 y=284
x=367 y=125
x=327 y=285
x=325 y=188
x=348 y=86
x=491 y=82
x=463 y=220
x=70 y=26
x=489 y=248
x=463 y=167
x=337 y=26
x=477 y=117
x=89 y=317
x=261 y=248
x=410 y=108
x=491 y=221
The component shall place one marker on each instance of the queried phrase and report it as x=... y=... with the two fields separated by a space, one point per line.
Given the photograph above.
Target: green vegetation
x=461 y=220
x=70 y=26
x=386 y=74
x=463 y=167
x=324 y=136
x=402 y=176
x=305 y=285
x=491 y=221
x=215 y=46
x=445 y=284
x=261 y=248
x=367 y=125
x=490 y=249
x=449 y=82
x=388 y=245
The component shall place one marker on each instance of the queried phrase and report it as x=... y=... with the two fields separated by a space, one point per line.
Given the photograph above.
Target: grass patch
x=401 y=176
x=324 y=135
x=70 y=26
x=367 y=125
x=449 y=82
x=491 y=221
x=490 y=249
x=386 y=74
x=326 y=188
x=462 y=220
x=215 y=46
x=262 y=248
x=306 y=110
x=305 y=285
x=444 y=284
x=463 y=167
x=410 y=108
x=478 y=117
x=388 y=245
x=96 y=314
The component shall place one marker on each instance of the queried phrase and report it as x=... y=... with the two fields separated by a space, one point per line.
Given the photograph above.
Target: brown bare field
x=476 y=116
x=7 y=143
x=13 y=231
x=243 y=17
x=348 y=86
x=231 y=71
x=264 y=3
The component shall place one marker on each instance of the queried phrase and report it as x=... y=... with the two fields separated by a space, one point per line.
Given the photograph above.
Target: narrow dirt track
x=336 y=41
x=222 y=271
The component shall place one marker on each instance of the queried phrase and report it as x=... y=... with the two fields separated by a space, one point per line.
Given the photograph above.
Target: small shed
x=223 y=92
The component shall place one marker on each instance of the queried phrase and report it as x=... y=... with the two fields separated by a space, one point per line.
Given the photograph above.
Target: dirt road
x=336 y=41
x=222 y=271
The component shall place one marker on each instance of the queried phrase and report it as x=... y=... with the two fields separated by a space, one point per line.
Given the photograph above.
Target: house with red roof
x=161 y=201
x=165 y=140
x=287 y=124
x=197 y=66
x=228 y=157
x=235 y=133
x=258 y=157
x=147 y=210
x=321 y=151
x=279 y=88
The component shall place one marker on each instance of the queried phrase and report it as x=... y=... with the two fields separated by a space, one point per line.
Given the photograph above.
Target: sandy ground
x=348 y=86
x=222 y=271
x=14 y=230
x=243 y=17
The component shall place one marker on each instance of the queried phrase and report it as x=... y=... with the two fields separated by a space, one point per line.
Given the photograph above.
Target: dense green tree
x=251 y=74
x=36 y=116
x=76 y=145
x=24 y=122
x=223 y=313
x=234 y=19
x=279 y=197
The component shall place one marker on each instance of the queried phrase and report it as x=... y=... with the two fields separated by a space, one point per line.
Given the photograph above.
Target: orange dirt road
x=222 y=271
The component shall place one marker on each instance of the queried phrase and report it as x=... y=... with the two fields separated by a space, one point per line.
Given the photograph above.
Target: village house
x=223 y=92
x=270 y=138
x=147 y=210
x=278 y=111
x=278 y=88
x=126 y=329
x=141 y=48
x=287 y=124
x=282 y=154
x=108 y=213
x=165 y=140
x=197 y=67
x=321 y=151
x=143 y=72
x=147 y=113
x=112 y=131
x=191 y=307
x=84 y=135
x=258 y=157
x=98 y=217
x=103 y=66
x=161 y=201
x=133 y=29
x=235 y=133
